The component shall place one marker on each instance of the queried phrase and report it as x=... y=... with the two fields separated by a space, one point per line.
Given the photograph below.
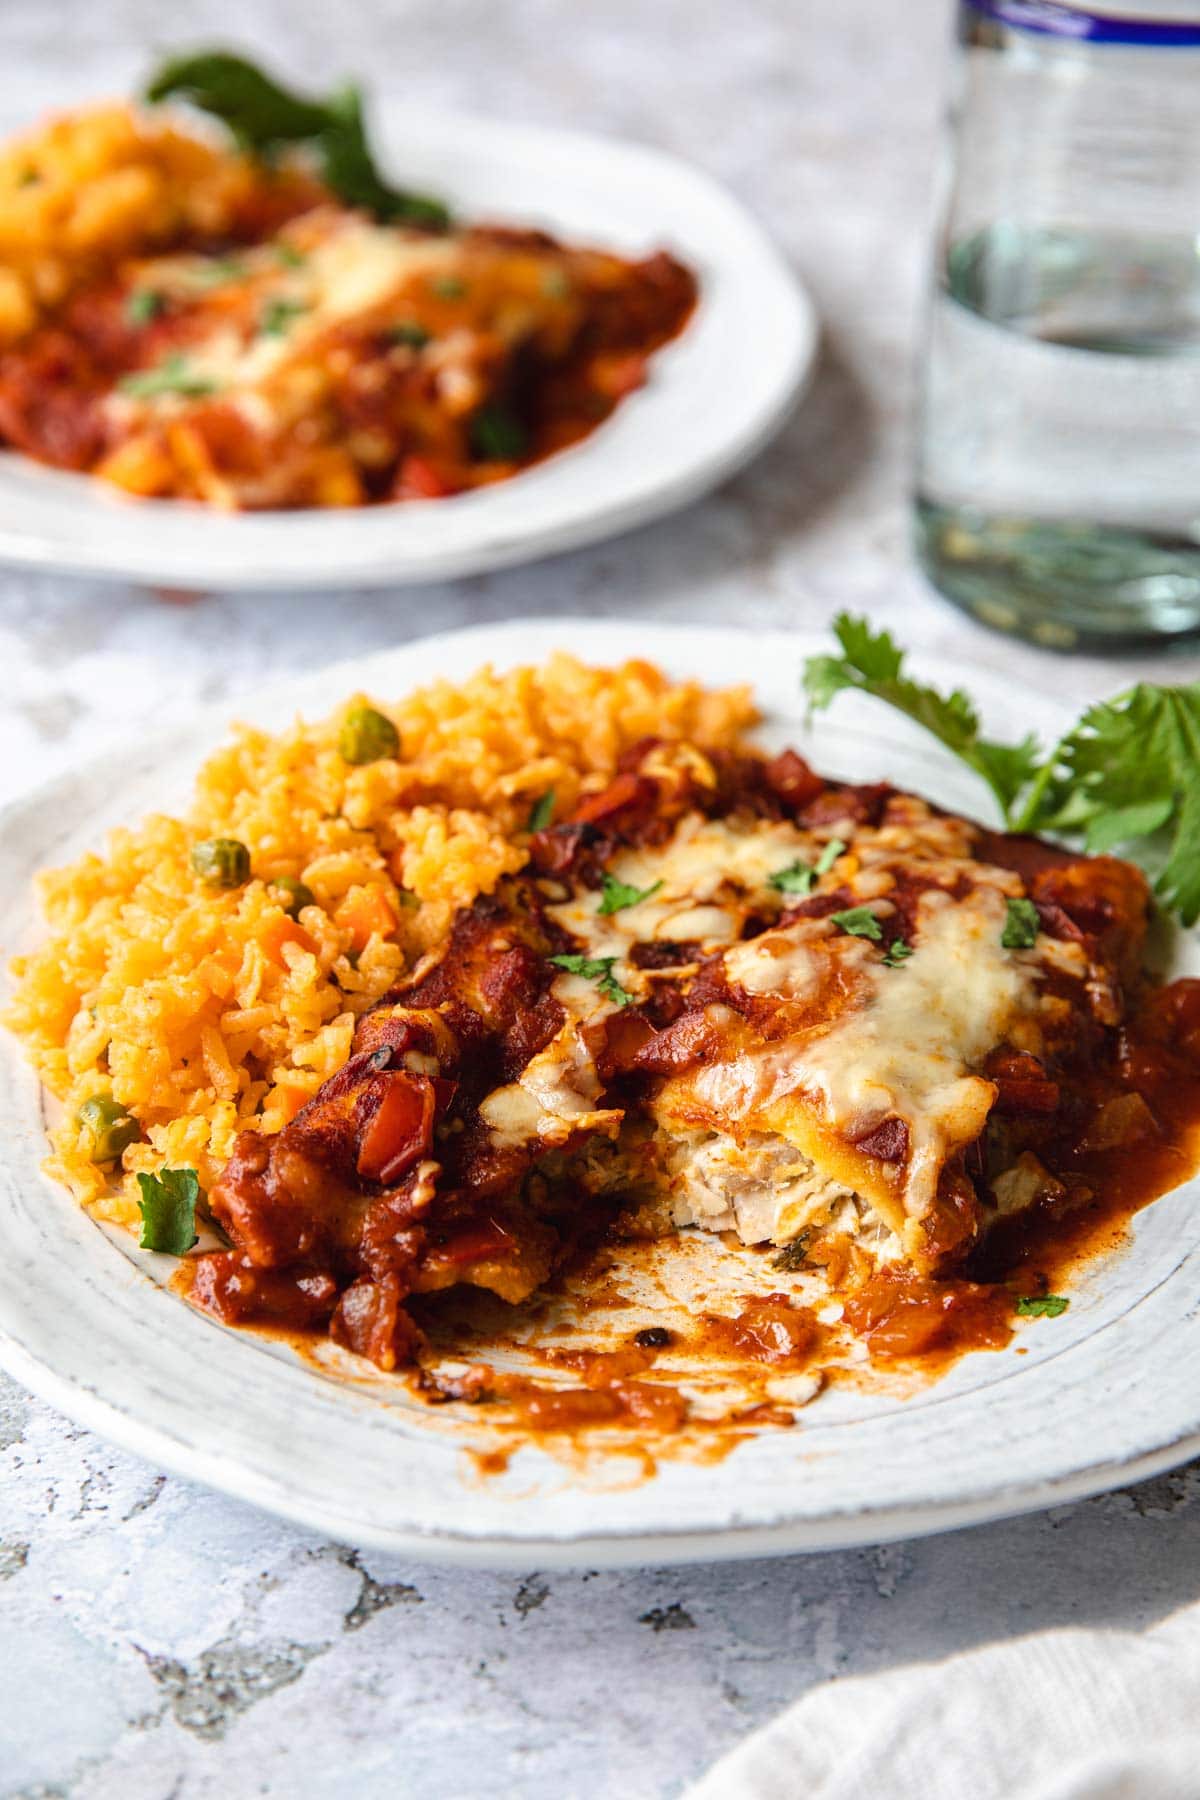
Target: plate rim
x=483 y=538
x=841 y=1527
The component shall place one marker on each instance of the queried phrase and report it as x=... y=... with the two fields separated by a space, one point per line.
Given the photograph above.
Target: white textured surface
x=155 y=1641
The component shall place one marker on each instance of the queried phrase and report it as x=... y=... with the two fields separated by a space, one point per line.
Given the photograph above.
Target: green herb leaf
x=793 y=1256
x=497 y=435
x=617 y=895
x=797 y=878
x=829 y=855
x=542 y=811
x=872 y=663
x=598 y=969
x=1021 y=925
x=289 y=256
x=171 y=376
x=448 y=287
x=407 y=331
x=1042 y=1306
x=1126 y=776
x=278 y=314
x=215 y=271
x=859 y=921
x=143 y=304
x=263 y=117
x=168 y=1209
x=1128 y=771
x=897 y=952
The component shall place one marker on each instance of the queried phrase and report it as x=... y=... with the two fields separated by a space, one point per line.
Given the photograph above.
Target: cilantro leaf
x=897 y=952
x=168 y=1209
x=1126 y=777
x=172 y=376
x=872 y=663
x=542 y=811
x=1021 y=925
x=143 y=304
x=1131 y=770
x=598 y=969
x=859 y=921
x=263 y=117
x=278 y=314
x=618 y=894
x=793 y=1256
x=797 y=878
x=1042 y=1306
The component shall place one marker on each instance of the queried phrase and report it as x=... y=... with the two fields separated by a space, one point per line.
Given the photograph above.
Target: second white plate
x=713 y=399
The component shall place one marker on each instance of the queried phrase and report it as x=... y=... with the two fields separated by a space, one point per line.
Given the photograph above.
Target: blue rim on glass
x=1051 y=19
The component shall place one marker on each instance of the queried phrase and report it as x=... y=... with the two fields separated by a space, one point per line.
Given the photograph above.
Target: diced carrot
x=278 y=932
x=366 y=912
x=418 y=479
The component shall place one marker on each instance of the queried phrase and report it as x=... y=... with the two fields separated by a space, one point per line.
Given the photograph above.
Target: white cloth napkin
x=1063 y=1715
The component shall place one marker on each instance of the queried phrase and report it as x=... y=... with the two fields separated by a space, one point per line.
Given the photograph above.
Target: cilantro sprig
x=858 y=921
x=264 y=117
x=168 y=1208
x=598 y=969
x=1021 y=925
x=616 y=895
x=171 y=376
x=799 y=877
x=1041 y=1306
x=1126 y=776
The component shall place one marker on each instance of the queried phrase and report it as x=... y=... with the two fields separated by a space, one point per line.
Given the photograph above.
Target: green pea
x=221 y=862
x=296 y=894
x=111 y=1128
x=367 y=736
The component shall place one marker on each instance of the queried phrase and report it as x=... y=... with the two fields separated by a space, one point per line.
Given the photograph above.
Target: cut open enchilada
x=724 y=992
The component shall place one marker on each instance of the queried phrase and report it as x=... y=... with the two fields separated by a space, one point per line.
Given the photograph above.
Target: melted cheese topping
x=907 y=1049
x=871 y=1041
x=351 y=268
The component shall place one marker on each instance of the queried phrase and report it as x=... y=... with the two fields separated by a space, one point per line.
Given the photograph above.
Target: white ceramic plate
x=713 y=399
x=1102 y=1395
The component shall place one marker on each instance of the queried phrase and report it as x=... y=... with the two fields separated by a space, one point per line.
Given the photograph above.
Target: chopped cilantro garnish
x=542 y=811
x=1042 y=1306
x=407 y=331
x=598 y=969
x=277 y=316
x=217 y=270
x=448 y=287
x=1021 y=925
x=793 y=1256
x=168 y=1209
x=143 y=305
x=172 y=376
x=497 y=435
x=618 y=894
x=797 y=878
x=897 y=952
x=289 y=256
x=859 y=921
